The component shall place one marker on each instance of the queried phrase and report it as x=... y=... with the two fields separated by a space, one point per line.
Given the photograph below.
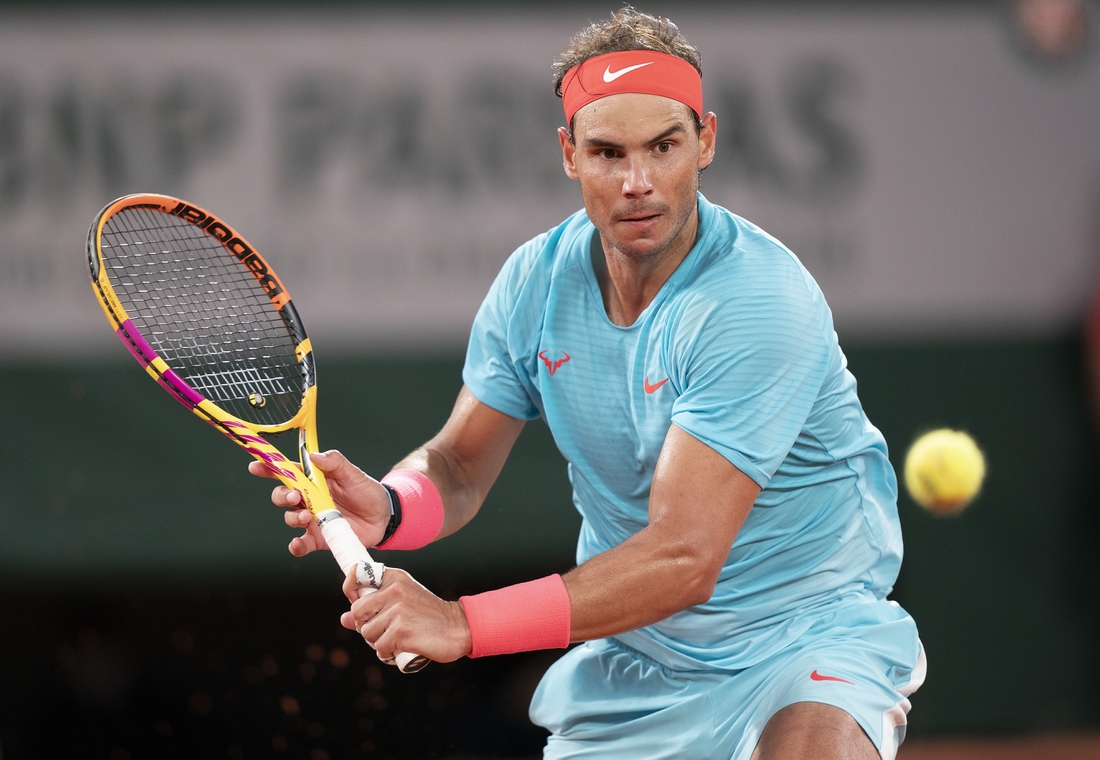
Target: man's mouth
x=640 y=217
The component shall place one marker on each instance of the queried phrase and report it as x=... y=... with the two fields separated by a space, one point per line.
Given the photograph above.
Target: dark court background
x=150 y=608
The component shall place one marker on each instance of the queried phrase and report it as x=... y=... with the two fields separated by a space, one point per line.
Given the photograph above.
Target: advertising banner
x=933 y=177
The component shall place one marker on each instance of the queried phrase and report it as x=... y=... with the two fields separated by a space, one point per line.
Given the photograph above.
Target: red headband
x=644 y=71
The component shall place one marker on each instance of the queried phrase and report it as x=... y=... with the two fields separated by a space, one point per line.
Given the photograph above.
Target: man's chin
x=640 y=248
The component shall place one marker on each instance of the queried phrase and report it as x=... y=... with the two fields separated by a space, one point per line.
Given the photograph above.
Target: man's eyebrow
x=595 y=142
x=674 y=129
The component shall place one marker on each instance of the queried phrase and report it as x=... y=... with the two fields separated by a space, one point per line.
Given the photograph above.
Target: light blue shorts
x=603 y=699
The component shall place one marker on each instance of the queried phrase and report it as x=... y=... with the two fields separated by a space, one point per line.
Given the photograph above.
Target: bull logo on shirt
x=553 y=365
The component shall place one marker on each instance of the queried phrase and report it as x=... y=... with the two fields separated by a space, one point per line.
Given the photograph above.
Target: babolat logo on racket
x=224 y=234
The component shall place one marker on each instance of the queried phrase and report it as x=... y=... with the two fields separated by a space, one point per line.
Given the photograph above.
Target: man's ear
x=707 y=138
x=568 y=154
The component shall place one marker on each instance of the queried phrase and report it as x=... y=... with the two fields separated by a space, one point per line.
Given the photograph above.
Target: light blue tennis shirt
x=737 y=349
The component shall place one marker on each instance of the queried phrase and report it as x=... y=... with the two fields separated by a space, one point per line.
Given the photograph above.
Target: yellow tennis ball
x=944 y=470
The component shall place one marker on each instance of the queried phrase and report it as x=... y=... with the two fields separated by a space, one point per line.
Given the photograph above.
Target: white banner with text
x=934 y=178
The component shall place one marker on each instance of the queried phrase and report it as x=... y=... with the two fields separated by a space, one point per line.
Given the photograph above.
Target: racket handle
x=407 y=662
x=349 y=552
x=343 y=543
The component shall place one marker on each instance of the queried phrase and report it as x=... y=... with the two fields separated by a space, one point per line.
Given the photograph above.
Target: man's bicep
x=698 y=495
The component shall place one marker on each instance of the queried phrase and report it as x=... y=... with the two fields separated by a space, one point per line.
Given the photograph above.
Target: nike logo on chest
x=653 y=387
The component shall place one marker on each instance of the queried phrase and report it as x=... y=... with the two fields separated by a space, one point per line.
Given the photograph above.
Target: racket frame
x=301 y=476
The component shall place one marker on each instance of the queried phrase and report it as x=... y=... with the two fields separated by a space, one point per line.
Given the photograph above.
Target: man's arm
x=698 y=503
x=463 y=460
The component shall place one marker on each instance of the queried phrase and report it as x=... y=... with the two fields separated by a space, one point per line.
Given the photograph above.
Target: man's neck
x=629 y=284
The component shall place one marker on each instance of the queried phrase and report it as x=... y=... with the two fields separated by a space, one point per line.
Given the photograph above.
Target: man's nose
x=637 y=182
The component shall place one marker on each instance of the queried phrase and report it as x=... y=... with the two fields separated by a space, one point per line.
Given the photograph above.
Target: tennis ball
x=944 y=470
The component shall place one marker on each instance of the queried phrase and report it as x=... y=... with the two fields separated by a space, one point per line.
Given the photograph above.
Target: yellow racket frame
x=308 y=480
x=305 y=478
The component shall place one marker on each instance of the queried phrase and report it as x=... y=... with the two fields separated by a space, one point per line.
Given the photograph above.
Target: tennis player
x=740 y=531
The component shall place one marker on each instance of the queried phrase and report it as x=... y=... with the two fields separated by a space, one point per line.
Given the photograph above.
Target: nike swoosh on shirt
x=651 y=388
x=815 y=676
x=611 y=76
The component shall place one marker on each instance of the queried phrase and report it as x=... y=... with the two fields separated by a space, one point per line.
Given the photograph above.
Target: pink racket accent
x=138 y=347
x=181 y=388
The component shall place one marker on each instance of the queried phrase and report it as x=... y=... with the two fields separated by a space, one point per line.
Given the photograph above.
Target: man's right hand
x=360 y=498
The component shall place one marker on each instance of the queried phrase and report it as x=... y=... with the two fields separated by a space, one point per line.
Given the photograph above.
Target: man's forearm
x=464 y=459
x=461 y=500
x=645 y=579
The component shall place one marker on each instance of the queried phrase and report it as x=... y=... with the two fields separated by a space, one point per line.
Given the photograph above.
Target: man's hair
x=627 y=29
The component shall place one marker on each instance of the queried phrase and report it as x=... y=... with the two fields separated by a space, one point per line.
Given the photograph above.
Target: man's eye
x=607 y=153
x=664 y=147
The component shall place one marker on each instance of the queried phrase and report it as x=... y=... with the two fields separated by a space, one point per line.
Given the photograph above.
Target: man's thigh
x=813 y=731
x=848 y=681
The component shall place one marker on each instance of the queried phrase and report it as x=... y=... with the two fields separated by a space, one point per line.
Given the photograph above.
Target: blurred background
x=935 y=165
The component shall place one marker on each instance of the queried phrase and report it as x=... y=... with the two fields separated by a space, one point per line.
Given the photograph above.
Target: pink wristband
x=421 y=510
x=520 y=618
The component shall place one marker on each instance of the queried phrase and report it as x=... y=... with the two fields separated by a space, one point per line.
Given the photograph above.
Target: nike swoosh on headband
x=609 y=76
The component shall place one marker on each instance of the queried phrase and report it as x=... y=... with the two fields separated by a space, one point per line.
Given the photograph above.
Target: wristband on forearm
x=519 y=618
x=416 y=513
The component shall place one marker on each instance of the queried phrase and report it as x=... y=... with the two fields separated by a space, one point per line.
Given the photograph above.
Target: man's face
x=638 y=157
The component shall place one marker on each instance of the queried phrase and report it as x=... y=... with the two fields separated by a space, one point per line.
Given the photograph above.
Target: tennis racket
x=211 y=322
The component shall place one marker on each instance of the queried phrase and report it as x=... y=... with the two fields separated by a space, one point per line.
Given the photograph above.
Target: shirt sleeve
x=494 y=370
x=750 y=364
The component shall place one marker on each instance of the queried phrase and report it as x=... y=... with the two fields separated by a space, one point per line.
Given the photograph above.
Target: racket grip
x=342 y=541
x=349 y=552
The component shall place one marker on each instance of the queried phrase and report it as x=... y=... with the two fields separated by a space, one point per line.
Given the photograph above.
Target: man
x=740 y=529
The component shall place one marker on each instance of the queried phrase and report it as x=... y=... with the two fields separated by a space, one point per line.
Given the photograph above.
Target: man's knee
x=814 y=730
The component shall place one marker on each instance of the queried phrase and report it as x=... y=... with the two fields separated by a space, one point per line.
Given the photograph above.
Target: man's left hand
x=403 y=616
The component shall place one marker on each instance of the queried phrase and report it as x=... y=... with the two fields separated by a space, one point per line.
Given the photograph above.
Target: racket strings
x=204 y=313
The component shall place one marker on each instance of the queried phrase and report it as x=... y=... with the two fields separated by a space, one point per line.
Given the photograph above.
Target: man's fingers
x=302 y=545
x=281 y=496
x=297 y=518
x=351 y=587
x=330 y=461
x=337 y=468
x=258 y=468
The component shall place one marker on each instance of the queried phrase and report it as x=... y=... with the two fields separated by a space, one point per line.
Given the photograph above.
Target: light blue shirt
x=737 y=349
